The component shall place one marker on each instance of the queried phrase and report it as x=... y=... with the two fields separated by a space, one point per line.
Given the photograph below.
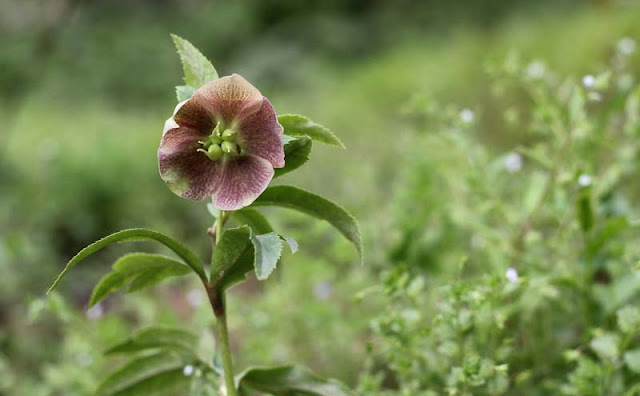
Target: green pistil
x=229 y=135
x=219 y=144
x=229 y=147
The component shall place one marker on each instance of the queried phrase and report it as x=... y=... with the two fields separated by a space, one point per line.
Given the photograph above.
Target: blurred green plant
x=546 y=301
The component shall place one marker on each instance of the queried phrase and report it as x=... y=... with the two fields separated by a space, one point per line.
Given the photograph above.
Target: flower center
x=221 y=142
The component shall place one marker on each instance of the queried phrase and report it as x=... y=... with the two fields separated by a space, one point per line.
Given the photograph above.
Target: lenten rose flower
x=222 y=143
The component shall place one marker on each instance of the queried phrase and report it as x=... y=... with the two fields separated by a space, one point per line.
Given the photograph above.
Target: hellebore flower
x=222 y=143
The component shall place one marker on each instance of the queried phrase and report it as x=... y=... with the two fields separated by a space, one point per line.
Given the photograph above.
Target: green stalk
x=225 y=352
x=217 y=300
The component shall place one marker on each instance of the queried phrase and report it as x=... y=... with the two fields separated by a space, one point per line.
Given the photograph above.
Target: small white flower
x=466 y=115
x=187 y=370
x=95 y=312
x=588 y=81
x=536 y=70
x=512 y=275
x=626 y=45
x=513 y=162
x=584 y=180
x=195 y=297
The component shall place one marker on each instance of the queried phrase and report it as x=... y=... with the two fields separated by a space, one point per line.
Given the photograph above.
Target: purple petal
x=194 y=115
x=187 y=172
x=227 y=97
x=261 y=134
x=245 y=178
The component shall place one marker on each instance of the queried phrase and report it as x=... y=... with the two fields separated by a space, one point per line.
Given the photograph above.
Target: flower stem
x=225 y=351
x=217 y=300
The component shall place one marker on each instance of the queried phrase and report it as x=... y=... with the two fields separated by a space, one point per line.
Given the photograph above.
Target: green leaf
x=585 y=210
x=629 y=319
x=238 y=272
x=296 y=154
x=184 y=92
x=298 y=125
x=135 y=263
x=606 y=346
x=267 y=251
x=293 y=244
x=153 y=277
x=110 y=283
x=151 y=375
x=314 y=205
x=612 y=229
x=233 y=243
x=135 y=234
x=158 y=337
x=148 y=269
x=254 y=219
x=632 y=360
x=197 y=68
x=289 y=380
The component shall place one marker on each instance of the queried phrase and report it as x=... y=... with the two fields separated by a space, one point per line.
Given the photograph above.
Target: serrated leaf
x=197 y=68
x=149 y=375
x=292 y=243
x=296 y=154
x=267 y=251
x=632 y=360
x=157 y=337
x=298 y=125
x=289 y=380
x=254 y=219
x=110 y=283
x=317 y=206
x=233 y=243
x=184 y=92
x=135 y=234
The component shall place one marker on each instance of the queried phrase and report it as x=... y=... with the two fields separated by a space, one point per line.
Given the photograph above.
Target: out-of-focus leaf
x=585 y=210
x=629 y=319
x=632 y=360
x=288 y=381
x=317 y=206
x=611 y=229
x=605 y=346
x=298 y=125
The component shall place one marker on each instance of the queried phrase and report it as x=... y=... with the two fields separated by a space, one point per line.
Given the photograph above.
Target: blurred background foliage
x=85 y=87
